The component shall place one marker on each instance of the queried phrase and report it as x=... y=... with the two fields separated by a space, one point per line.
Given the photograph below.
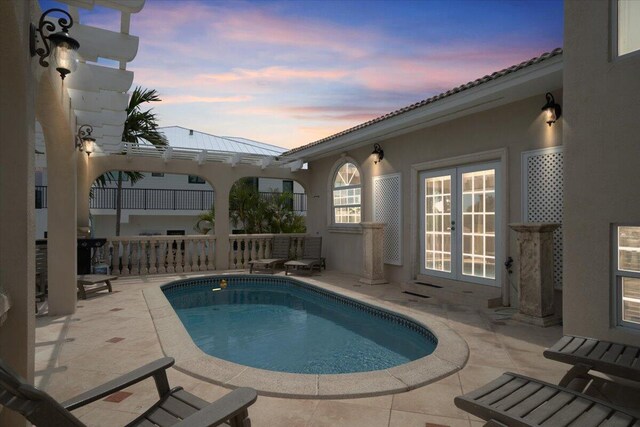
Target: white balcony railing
x=143 y=255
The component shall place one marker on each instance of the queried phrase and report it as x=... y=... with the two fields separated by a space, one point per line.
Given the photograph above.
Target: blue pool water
x=284 y=325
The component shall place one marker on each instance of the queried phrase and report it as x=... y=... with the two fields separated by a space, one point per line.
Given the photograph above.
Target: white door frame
x=500 y=156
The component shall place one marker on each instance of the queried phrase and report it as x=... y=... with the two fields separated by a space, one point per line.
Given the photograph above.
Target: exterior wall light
x=552 y=110
x=378 y=153
x=84 y=140
x=61 y=49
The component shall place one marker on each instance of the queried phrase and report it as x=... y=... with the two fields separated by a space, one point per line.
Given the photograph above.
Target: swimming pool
x=281 y=324
x=449 y=356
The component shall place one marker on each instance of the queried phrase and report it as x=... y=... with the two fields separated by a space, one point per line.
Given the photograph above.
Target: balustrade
x=142 y=255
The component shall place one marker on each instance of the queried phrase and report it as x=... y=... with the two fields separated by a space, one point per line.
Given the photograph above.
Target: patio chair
x=587 y=354
x=311 y=256
x=175 y=407
x=279 y=255
x=516 y=401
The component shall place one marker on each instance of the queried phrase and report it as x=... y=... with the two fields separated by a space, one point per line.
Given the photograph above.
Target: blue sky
x=290 y=72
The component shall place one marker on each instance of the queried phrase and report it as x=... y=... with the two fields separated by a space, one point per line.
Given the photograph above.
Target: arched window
x=347 y=190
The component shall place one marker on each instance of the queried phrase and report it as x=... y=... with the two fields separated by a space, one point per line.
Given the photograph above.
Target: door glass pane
x=478 y=231
x=438 y=223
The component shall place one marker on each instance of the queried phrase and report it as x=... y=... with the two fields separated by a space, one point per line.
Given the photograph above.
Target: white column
x=222 y=228
x=17 y=226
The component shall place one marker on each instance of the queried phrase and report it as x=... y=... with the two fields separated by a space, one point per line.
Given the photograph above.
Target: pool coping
x=450 y=355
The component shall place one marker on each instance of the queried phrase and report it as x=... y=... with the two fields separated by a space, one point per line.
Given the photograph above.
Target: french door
x=459 y=222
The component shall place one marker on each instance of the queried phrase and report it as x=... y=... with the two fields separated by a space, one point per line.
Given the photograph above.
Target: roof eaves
x=458 y=89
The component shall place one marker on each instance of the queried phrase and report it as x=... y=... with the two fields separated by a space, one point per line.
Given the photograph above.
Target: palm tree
x=206 y=221
x=139 y=126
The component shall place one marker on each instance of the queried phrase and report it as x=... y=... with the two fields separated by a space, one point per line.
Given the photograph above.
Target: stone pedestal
x=373 y=262
x=535 y=275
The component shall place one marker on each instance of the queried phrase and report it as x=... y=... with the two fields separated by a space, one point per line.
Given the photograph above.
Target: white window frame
x=617 y=276
x=615 y=36
x=345 y=226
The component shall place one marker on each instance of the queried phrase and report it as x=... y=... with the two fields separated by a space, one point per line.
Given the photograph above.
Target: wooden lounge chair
x=91 y=283
x=587 y=354
x=311 y=256
x=175 y=407
x=279 y=255
x=516 y=401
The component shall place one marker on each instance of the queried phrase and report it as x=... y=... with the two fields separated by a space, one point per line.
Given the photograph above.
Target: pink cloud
x=187 y=99
x=275 y=73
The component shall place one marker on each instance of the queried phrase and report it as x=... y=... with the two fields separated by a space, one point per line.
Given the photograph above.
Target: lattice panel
x=544 y=187
x=387 y=208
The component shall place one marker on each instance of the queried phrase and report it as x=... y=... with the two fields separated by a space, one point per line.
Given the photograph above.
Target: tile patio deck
x=111 y=334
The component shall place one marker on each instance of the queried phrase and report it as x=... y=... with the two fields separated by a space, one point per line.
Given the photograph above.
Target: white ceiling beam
x=201 y=157
x=96 y=78
x=234 y=159
x=99 y=43
x=265 y=162
x=294 y=166
x=98 y=101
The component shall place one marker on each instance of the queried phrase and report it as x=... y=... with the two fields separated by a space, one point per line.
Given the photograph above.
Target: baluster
x=299 y=248
x=232 y=252
x=115 y=258
x=268 y=247
x=245 y=255
x=254 y=254
x=261 y=250
x=152 y=257
x=125 y=258
x=135 y=258
x=162 y=254
x=188 y=256
x=170 y=268
x=202 y=255
x=211 y=265
x=179 y=268
x=144 y=260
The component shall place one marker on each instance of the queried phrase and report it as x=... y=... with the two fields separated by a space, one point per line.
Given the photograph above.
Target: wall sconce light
x=61 y=49
x=378 y=153
x=552 y=110
x=84 y=140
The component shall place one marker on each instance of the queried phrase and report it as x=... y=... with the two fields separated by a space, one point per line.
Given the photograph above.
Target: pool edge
x=450 y=355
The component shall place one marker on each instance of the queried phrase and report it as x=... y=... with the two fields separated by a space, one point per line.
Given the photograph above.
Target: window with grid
x=346 y=195
x=627 y=275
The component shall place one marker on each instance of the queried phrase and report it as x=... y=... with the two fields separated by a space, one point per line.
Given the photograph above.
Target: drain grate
x=415 y=295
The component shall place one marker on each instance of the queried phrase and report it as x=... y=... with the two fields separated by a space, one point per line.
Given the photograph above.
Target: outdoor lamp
x=61 y=49
x=84 y=140
x=551 y=109
x=378 y=153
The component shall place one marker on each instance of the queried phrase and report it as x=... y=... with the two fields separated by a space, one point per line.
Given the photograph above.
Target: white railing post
x=152 y=257
x=162 y=249
x=179 y=268
x=211 y=261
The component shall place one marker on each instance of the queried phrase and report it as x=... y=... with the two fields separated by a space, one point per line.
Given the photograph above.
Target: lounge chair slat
x=550 y=407
x=600 y=350
x=613 y=353
x=178 y=408
x=628 y=356
x=528 y=405
x=145 y=423
x=190 y=399
x=573 y=345
x=161 y=417
x=520 y=395
x=586 y=347
x=502 y=392
x=593 y=417
x=488 y=388
x=568 y=413
x=618 y=419
x=562 y=343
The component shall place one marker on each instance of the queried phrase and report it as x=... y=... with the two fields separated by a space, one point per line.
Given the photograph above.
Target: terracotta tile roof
x=475 y=83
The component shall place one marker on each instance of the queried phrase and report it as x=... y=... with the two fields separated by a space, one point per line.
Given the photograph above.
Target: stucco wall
x=518 y=127
x=602 y=154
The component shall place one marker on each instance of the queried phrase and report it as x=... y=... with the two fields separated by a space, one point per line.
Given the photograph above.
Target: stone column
x=373 y=262
x=222 y=227
x=535 y=273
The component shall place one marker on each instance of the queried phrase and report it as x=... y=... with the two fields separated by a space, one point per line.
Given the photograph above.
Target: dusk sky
x=291 y=72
